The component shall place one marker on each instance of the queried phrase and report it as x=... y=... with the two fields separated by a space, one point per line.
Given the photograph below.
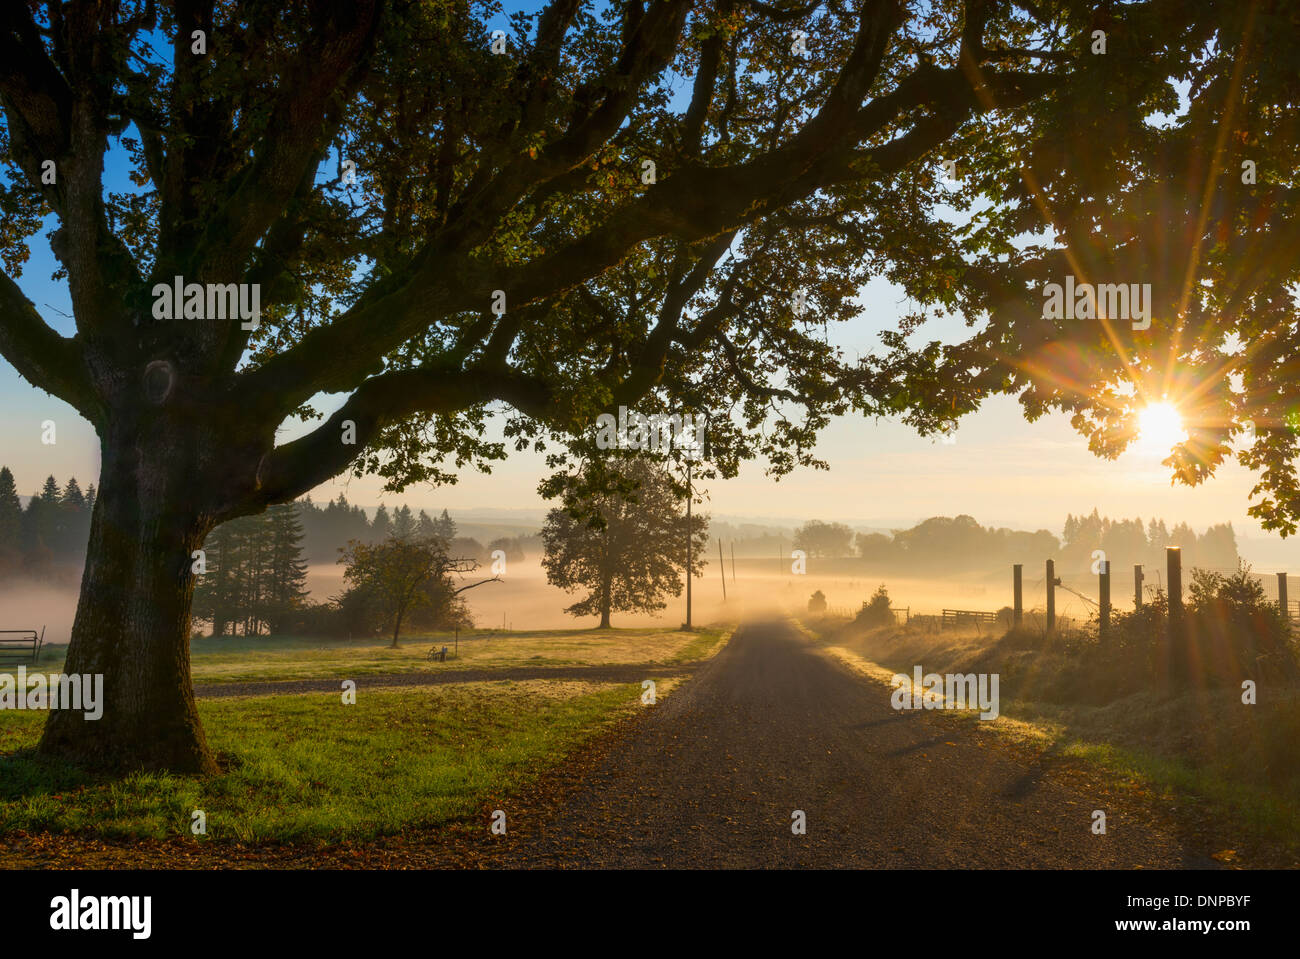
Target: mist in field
x=524 y=599
x=33 y=604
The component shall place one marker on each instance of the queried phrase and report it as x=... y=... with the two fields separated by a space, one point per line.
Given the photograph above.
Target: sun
x=1160 y=427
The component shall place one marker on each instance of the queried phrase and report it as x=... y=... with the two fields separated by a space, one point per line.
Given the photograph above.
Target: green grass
x=307 y=767
x=273 y=658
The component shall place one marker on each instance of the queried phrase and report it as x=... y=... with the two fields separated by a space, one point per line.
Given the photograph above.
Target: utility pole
x=688 y=544
x=1103 y=615
x=722 y=571
x=1018 y=594
x=1138 y=577
x=733 y=562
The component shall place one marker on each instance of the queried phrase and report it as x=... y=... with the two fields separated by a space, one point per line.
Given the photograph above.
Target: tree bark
x=606 y=601
x=133 y=616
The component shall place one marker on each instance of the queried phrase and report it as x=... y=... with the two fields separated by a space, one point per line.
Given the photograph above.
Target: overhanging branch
x=290 y=470
x=44 y=358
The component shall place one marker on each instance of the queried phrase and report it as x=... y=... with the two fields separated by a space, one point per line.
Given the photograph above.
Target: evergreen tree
x=403 y=522
x=214 y=590
x=256 y=574
x=73 y=526
x=1070 y=535
x=382 y=527
x=286 y=570
x=40 y=526
x=11 y=522
x=254 y=569
x=72 y=497
x=444 y=527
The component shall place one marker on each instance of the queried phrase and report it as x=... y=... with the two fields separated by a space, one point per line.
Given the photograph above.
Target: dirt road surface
x=773 y=725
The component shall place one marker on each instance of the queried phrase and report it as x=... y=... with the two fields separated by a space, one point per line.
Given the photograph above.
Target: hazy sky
x=1000 y=469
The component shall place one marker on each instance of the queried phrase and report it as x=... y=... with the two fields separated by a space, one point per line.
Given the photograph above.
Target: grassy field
x=307 y=767
x=269 y=658
x=1205 y=746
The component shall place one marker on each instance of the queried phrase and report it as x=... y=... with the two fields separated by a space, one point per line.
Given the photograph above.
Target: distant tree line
x=1129 y=541
x=943 y=543
x=50 y=534
x=52 y=530
x=824 y=540
x=328 y=528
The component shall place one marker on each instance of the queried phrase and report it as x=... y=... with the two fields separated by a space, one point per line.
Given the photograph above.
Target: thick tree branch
x=296 y=467
x=46 y=360
x=319 y=74
x=696 y=203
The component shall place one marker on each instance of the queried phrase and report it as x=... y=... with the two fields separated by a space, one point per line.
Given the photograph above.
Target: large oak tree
x=655 y=203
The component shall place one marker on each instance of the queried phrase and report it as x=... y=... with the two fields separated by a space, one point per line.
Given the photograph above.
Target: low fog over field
x=524 y=600
x=937 y=564
x=31 y=604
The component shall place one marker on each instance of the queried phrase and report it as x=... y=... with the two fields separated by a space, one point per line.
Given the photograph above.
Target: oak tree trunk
x=133 y=616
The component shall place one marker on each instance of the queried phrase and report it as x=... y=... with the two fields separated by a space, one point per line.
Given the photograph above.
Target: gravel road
x=772 y=725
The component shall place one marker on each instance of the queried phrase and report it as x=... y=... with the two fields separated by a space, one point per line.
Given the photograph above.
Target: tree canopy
x=662 y=205
x=820 y=539
x=435 y=226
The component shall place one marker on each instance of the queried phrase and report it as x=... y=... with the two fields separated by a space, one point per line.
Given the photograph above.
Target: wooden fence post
x=1103 y=598
x=1174 y=563
x=1019 y=594
x=1282 y=603
x=1052 y=583
x=1137 y=587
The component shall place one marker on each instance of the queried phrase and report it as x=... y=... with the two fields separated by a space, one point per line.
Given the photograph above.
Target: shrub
x=817 y=603
x=876 y=611
x=1234 y=630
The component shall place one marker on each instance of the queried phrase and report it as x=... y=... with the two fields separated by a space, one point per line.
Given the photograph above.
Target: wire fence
x=1077 y=596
